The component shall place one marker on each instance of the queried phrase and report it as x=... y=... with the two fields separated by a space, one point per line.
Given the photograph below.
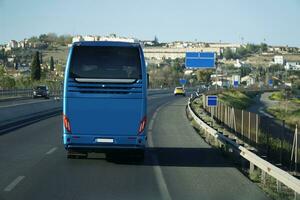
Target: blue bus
x=105 y=99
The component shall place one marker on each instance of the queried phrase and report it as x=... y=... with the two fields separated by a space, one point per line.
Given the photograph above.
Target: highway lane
x=178 y=164
x=12 y=103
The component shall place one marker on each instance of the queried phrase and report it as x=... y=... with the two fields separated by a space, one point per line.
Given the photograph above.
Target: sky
x=275 y=22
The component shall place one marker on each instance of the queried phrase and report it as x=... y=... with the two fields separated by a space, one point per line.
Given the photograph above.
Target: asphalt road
x=178 y=164
x=5 y=104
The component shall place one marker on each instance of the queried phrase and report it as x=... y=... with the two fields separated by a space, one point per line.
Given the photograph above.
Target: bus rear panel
x=105 y=97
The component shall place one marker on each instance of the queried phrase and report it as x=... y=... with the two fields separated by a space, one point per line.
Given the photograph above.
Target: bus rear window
x=94 y=62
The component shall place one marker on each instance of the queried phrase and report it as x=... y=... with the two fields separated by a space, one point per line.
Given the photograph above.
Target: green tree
x=276 y=68
x=36 y=67
x=51 y=64
x=245 y=71
x=204 y=75
x=241 y=52
x=263 y=47
x=228 y=54
x=156 y=40
x=7 y=82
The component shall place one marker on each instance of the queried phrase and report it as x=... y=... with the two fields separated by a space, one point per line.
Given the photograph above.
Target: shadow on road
x=177 y=157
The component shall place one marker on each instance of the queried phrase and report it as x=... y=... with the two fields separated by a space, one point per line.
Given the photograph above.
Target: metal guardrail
x=24 y=93
x=277 y=173
x=21 y=93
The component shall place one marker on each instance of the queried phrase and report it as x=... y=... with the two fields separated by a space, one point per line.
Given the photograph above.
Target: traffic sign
x=200 y=60
x=270 y=82
x=212 y=100
x=236 y=83
x=182 y=81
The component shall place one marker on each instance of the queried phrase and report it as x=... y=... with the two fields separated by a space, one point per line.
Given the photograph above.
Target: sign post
x=212 y=101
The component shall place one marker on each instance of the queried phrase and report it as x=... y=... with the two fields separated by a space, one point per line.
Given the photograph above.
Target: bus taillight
x=142 y=125
x=67 y=123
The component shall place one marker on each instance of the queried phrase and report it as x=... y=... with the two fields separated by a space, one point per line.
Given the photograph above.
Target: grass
x=277 y=96
x=285 y=110
x=236 y=99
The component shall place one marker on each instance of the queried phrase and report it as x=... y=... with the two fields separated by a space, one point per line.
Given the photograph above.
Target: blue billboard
x=200 y=60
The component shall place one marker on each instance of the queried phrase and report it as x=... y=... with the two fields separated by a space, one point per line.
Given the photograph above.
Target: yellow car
x=179 y=91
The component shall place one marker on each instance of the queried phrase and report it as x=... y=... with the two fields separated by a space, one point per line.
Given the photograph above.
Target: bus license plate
x=105 y=140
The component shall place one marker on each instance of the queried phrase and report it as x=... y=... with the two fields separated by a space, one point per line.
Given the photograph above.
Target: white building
x=235 y=78
x=239 y=63
x=292 y=66
x=249 y=80
x=77 y=38
x=90 y=38
x=12 y=44
x=278 y=60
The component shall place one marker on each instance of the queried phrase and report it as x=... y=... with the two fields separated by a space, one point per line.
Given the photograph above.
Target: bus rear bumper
x=88 y=143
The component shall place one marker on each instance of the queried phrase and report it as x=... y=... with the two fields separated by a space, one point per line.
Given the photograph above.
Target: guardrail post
x=225 y=114
x=256 y=128
x=251 y=168
x=263 y=177
x=281 y=140
x=249 y=128
x=242 y=125
x=234 y=121
x=296 y=149
x=295 y=195
x=278 y=185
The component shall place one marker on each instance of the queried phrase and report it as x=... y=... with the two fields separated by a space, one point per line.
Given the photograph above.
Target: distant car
x=41 y=91
x=179 y=91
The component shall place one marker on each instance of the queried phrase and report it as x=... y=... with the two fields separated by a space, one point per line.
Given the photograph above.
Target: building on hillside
x=77 y=38
x=277 y=49
x=221 y=80
x=23 y=43
x=248 y=80
x=278 y=60
x=292 y=66
x=239 y=64
x=12 y=44
x=90 y=38
x=235 y=78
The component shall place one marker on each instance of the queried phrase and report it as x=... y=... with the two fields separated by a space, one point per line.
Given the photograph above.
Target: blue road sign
x=182 y=81
x=236 y=83
x=212 y=100
x=200 y=60
x=270 y=82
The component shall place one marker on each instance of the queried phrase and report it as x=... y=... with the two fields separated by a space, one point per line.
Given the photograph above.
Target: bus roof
x=106 y=43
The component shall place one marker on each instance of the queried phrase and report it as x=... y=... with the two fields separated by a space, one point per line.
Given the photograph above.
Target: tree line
x=244 y=51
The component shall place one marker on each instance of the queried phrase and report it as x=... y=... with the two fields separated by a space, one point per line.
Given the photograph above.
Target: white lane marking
x=19 y=104
x=154 y=115
x=13 y=184
x=160 y=179
x=51 y=150
x=264 y=113
x=151 y=125
x=163 y=188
